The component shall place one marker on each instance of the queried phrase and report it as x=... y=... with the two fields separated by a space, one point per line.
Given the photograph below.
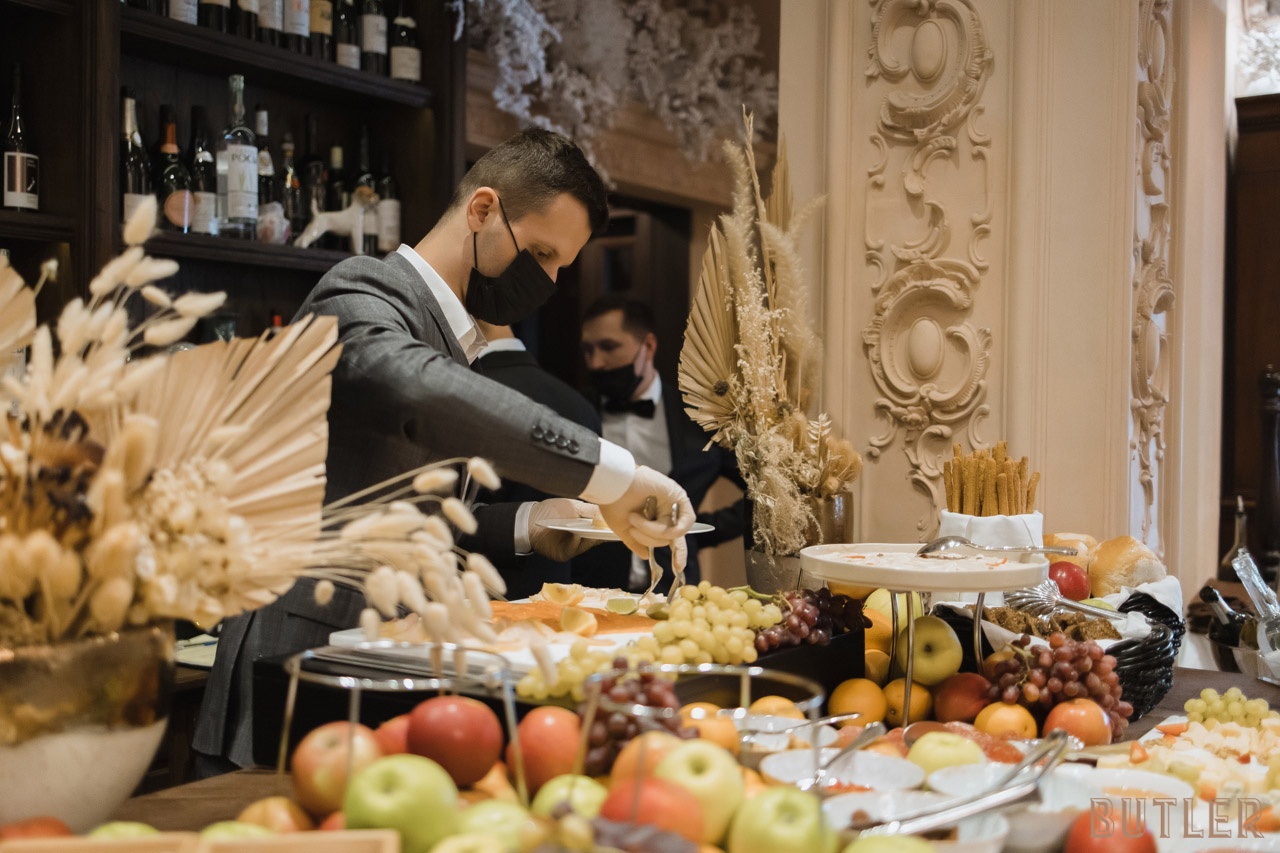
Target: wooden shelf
x=60 y=7
x=201 y=247
x=36 y=227
x=154 y=36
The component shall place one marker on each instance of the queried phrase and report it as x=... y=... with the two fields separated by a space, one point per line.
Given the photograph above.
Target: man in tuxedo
x=505 y=359
x=645 y=415
x=404 y=395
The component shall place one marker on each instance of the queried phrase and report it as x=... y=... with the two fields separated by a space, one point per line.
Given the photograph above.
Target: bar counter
x=198 y=804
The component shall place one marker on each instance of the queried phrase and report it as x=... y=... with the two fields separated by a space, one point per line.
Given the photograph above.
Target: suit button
x=562 y=443
x=537 y=433
x=550 y=438
x=573 y=447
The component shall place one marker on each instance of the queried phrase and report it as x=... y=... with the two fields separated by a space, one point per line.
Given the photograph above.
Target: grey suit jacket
x=403 y=396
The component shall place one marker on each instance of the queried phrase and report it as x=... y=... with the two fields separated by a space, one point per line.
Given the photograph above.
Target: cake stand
x=896 y=568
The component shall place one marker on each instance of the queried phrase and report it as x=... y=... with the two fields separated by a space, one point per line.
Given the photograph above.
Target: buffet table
x=198 y=804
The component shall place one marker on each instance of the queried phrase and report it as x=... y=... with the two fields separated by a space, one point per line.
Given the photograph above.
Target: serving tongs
x=650 y=511
x=1022 y=782
x=1044 y=598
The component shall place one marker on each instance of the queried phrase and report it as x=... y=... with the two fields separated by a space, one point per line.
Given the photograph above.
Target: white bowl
x=869 y=769
x=1035 y=828
x=984 y=833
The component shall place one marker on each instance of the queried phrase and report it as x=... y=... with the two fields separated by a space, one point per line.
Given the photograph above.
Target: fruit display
x=612 y=730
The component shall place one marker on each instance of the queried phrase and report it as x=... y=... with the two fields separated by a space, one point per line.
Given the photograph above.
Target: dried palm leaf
x=17 y=311
x=708 y=373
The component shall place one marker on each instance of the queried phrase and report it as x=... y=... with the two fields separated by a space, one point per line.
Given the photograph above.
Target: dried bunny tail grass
x=482 y=471
x=156 y=296
x=148 y=270
x=324 y=592
x=370 y=623
x=198 y=304
x=480 y=565
x=458 y=514
x=435 y=480
x=17 y=309
x=110 y=276
x=142 y=223
x=162 y=333
x=382 y=590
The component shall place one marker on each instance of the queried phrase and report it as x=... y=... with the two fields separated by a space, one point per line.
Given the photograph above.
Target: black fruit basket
x=1145 y=665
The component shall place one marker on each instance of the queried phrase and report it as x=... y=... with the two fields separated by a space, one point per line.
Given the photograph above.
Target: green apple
x=1099 y=602
x=408 y=793
x=502 y=819
x=473 y=842
x=124 y=829
x=583 y=794
x=781 y=819
x=938 y=652
x=230 y=830
x=879 y=601
x=711 y=774
x=936 y=750
x=890 y=844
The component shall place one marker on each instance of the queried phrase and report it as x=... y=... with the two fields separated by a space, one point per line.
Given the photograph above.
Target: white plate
x=898 y=568
x=870 y=769
x=584 y=528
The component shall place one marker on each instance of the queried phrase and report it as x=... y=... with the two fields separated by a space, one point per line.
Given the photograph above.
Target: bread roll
x=1086 y=546
x=1123 y=561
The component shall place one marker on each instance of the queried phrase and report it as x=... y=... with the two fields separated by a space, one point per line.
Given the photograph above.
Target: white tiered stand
x=832 y=563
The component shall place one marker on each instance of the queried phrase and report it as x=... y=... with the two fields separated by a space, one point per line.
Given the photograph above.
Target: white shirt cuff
x=612 y=475
x=522 y=543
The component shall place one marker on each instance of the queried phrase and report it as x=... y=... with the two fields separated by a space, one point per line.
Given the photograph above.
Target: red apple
x=35 y=827
x=548 y=743
x=1082 y=718
x=393 y=735
x=655 y=802
x=334 y=822
x=462 y=735
x=1072 y=581
x=641 y=754
x=280 y=814
x=961 y=697
x=320 y=764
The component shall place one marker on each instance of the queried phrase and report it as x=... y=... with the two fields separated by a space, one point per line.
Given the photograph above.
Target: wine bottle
x=297 y=25
x=21 y=165
x=172 y=179
x=184 y=11
x=346 y=35
x=244 y=18
x=204 y=176
x=290 y=189
x=272 y=225
x=214 y=14
x=237 y=171
x=365 y=178
x=271 y=22
x=406 y=58
x=337 y=195
x=373 y=37
x=135 y=171
x=388 y=208
x=314 y=175
x=322 y=29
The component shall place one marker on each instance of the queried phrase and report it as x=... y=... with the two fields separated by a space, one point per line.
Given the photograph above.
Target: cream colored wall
x=1025 y=245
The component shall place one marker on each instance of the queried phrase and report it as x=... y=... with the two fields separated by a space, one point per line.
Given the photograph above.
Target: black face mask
x=511 y=295
x=616 y=384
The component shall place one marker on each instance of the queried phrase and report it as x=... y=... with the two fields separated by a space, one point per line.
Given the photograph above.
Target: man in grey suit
x=404 y=396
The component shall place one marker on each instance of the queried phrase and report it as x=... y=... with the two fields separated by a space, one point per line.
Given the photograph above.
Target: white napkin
x=1167 y=591
x=1027 y=529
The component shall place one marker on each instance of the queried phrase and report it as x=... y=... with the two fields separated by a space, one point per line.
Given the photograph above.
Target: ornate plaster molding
x=1153 y=288
x=929 y=63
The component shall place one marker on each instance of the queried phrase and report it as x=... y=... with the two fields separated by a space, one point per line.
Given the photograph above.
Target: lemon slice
x=563 y=593
x=625 y=605
x=577 y=621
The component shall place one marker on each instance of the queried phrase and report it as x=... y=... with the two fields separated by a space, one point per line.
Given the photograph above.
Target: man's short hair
x=637 y=316
x=530 y=169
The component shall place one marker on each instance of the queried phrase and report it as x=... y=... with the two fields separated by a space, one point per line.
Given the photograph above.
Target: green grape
x=1233 y=694
x=1197 y=706
x=1250 y=721
x=1258 y=707
x=1209 y=695
x=1195 y=717
x=1235 y=708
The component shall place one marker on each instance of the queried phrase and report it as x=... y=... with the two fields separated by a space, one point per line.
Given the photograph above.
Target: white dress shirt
x=650 y=444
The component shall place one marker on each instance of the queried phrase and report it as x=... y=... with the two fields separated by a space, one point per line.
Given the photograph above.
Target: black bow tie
x=643 y=408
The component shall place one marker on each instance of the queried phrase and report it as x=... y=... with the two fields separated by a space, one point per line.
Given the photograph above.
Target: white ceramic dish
x=895 y=566
x=1036 y=828
x=869 y=769
x=985 y=833
x=585 y=529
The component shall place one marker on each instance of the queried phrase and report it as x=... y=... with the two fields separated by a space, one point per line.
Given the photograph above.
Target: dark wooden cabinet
x=77 y=54
x=1251 y=331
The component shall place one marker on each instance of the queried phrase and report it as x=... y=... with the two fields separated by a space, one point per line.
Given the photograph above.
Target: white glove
x=559 y=545
x=625 y=516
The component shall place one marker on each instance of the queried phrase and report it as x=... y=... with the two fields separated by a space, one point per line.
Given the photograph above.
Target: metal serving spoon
x=866 y=736
x=939 y=548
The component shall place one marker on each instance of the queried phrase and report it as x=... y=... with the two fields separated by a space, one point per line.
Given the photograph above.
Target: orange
x=880 y=635
x=776 y=706
x=1001 y=718
x=921 y=701
x=698 y=711
x=718 y=730
x=876 y=666
x=859 y=696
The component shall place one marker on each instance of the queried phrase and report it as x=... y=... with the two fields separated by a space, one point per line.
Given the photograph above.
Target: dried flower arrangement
x=568 y=65
x=751 y=362
x=141 y=488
